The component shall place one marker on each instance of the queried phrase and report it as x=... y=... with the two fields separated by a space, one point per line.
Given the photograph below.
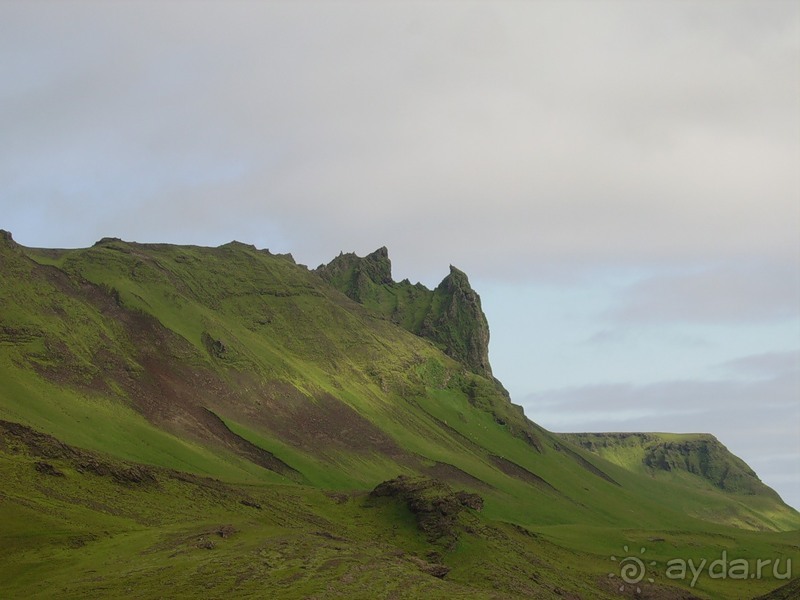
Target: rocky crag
x=450 y=315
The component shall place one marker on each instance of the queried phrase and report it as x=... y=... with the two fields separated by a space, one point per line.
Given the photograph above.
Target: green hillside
x=671 y=455
x=182 y=419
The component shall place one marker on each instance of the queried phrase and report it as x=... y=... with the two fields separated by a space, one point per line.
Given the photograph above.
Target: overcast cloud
x=514 y=134
x=633 y=162
x=735 y=291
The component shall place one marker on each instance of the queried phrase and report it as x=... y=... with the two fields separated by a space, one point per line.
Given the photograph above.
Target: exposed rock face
x=706 y=458
x=701 y=455
x=450 y=316
x=6 y=239
x=17 y=438
x=108 y=240
x=457 y=321
x=47 y=469
x=356 y=276
x=377 y=266
x=436 y=506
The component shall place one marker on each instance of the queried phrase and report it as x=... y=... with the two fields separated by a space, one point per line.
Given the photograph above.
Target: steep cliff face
x=699 y=455
x=456 y=320
x=6 y=239
x=355 y=276
x=450 y=315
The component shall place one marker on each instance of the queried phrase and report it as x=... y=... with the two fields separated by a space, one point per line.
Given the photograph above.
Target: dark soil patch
x=586 y=464
x=649 y=591
x=321 y=422
x=225 y=531
x=128 y=474
x=449 y=473
x=338 y=497
x=329 y=536
x=244 y=448
x=435 y=569
x=21 y=439
x=46 y=468
x=514 y=470
x=18 y=439
x=454 y=433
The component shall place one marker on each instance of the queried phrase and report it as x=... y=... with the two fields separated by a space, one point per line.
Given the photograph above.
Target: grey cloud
x=743 y=291
x=689 y=396
x=607 y=336
x=617 y=336
x=768 y=364
x=689 y=406
x=509 y=138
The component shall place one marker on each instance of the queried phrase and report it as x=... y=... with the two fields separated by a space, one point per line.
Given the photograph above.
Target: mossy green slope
x=238 y=364
x=697 y=461
x=659 y=454
x=79 y=524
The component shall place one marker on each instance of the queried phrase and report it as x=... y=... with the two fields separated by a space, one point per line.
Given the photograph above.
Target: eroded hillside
x=237 y=370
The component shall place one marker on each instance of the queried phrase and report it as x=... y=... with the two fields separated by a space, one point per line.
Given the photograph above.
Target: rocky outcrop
x=434 y=504
x=706 y=458
x=6 y=240
x=450 y=316
x=456 y=321
x=21 y=439
x=701 y=455
x=355 y=276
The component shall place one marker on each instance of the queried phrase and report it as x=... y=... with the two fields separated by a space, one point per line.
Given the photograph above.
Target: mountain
x=450 y=315
x=178 y=420
x=699 y=456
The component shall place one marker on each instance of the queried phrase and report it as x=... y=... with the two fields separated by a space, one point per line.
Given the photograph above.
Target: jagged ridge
x=450 y=315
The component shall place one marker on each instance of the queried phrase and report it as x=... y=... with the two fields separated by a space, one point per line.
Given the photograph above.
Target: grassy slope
x=82 y=534
x=696 y=461
x=254 y=333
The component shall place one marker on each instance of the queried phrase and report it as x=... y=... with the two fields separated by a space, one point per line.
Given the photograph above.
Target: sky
x=620 y=180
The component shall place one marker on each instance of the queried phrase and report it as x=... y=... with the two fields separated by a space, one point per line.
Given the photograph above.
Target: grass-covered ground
x=259 y=406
